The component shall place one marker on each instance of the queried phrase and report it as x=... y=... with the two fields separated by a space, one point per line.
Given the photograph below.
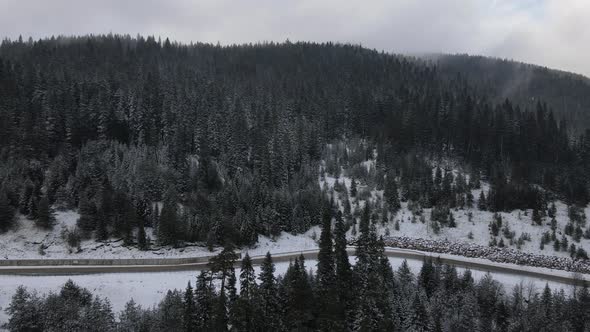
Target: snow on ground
x=147 y=289
x=518 y=221
x=285 y=242
x=25 y=239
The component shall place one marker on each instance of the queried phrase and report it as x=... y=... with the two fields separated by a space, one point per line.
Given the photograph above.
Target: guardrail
x=103 y=262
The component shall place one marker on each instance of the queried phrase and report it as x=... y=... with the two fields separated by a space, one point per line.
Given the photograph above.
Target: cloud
x=546 y=32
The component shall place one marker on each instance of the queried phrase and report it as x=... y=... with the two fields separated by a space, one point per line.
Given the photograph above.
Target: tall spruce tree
x=6 y=212
x=46 y=215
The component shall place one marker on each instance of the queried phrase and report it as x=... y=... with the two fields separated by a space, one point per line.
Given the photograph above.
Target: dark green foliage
x=353 y=190
x=87 y=221
x=298 y=301
x=391 y=195
x=247 y=308
x=6 y=212
x=25 y=312
x=205 y=301
x=46 y=215
x=71 y=309
x=189 y=316
x=268 y=291
x=171 y=312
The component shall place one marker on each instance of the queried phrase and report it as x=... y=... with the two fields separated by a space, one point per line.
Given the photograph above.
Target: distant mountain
x=567 y=94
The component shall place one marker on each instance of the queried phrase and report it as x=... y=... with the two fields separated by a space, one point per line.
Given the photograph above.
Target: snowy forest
x=222 y=143
x=159 y=144
x=367 y=296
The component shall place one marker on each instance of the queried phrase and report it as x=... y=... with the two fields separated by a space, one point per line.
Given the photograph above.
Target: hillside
x=155 y=140
x=567 y=94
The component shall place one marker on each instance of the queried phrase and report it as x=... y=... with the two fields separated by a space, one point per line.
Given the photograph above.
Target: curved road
x=458 y=261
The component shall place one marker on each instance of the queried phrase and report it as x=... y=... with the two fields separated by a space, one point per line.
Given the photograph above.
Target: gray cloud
x=553 y=33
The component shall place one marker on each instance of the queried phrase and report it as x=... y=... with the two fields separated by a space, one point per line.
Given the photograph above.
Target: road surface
x=458 y=261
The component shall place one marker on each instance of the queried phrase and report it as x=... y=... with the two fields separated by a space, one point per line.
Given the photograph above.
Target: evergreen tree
x=204 y=300
x=87 y=221
x=46 y=217
x=418 y=319
x=481 y=202
x=247 y=306
x=353 y=190
x=168 y=220
x=343 y=274
x=130 y=318
x=326 y=276
x=189 y=318
x=6 y=212
x=390 y=194
x=268 y=294
x=25 y=312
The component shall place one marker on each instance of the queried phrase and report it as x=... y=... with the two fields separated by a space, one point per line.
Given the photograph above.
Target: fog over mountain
x=546 y=32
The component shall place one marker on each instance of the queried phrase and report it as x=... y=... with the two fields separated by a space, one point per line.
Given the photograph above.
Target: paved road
x=458 y=261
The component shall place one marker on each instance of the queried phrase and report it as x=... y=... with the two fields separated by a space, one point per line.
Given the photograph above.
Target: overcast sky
x=554 y=33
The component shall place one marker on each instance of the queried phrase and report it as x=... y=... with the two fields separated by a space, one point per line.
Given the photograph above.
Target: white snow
x=24 y=240
x=518 y=221
x=147 y=289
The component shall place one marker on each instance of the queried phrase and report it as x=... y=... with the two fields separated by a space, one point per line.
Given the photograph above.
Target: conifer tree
x=87 y=221
x=390 y=194
x=326 y=276
x=6 y=212
x=343 y=276
x=353 y=190
x=204 y=300
x=247 y=305
x=46 y=217
x=268 y=294
x=481 y=202
x=190 y=323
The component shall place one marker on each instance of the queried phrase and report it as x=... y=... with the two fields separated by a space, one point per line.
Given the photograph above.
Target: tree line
x=222 y=143
x=337 y=296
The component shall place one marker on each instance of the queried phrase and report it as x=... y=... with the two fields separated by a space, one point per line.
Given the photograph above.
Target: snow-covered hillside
x=517 y=231
x=25 y=241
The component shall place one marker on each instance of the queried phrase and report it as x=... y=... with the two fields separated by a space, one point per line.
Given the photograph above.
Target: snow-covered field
x=147 y=289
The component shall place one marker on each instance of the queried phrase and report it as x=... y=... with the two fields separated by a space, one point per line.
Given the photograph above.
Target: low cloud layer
x=553 y=33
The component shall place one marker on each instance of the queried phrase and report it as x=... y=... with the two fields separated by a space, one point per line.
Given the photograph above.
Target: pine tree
x=469 y=200
x=537 y=219
x=418 y=319
x=247 y=306
x=326 y=276
x=268 y=294
x=130 y=318
x=353 y=190
x=232 y=298
x=343 y=273
x=190 y=323
x=46 y=217
x=168 y=221
x=298 y=299
x=128 y=222
x=481 y=202
x=222 y=268
x=390 y=194
x=204 y=300
x=6 y=212
x=87 y=221
x=142 y=241
x=102 y=232
x=24 y=311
